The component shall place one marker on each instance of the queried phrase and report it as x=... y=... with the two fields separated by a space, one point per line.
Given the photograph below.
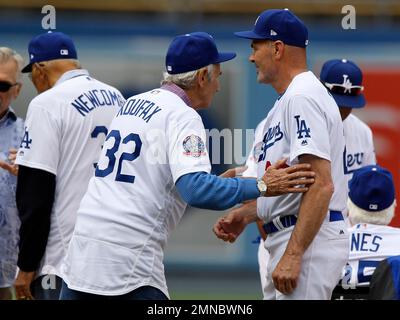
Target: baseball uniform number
x=110 y=154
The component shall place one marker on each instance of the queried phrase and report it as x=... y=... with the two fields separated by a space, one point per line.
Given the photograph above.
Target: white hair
x=6 y=54
x=358 y=215
x=185 y=80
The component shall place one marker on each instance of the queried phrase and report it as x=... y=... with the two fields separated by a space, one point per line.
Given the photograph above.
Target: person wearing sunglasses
x=343 y=79
x=65 y=127
x=11 y=132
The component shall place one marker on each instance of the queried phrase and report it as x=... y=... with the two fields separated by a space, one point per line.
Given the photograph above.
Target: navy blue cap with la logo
x=344 y=73
x=50 y=46
x=372 y=188
x=192 y=51
x=278 y=24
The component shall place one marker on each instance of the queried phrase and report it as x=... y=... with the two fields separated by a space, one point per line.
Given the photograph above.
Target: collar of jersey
x=172 y=87
x=72 y=74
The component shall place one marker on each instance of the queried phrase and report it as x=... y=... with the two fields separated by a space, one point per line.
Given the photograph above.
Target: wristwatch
x=262 y=187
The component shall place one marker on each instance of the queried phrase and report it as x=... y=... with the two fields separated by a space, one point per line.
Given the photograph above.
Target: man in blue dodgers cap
x=371 y=206
x=133 y=204
x=306 y=238
x=343 y=79
x=65 y=128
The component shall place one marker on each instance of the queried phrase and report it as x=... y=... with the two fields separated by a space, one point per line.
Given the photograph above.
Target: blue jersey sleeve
x=207 y=191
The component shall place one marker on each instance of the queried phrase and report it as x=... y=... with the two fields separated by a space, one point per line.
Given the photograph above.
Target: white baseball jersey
x=304 y=120
x=132 y=203
x=369 y=244
x=359 y=151
x=64 y=130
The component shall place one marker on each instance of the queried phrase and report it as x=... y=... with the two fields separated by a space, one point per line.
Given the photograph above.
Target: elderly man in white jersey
x=154 y=162
x=371 y=206
x=307 y=238
x=65 y=127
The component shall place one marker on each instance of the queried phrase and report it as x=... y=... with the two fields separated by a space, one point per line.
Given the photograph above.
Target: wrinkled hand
x=232 y=173
x=22 y=285
x=281 y=179
x=10 y=166
x=230 y=226
x=286 y=273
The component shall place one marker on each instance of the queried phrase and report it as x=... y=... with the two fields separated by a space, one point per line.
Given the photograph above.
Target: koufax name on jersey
x=141 y=108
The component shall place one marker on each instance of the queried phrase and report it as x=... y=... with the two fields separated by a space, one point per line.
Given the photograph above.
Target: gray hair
x=6 y=54
x=358 y=215
x=185 y=80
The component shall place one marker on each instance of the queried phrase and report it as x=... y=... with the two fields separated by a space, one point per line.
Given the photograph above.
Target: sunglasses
x=5 y=86
x=343 y=89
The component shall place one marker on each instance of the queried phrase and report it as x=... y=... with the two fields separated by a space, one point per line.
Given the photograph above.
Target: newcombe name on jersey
x=92 y=99
x=141 y=108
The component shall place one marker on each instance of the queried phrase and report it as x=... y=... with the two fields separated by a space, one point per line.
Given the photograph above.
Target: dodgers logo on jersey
x=272 y=136
x=302 y=130
x=26 y=141
x=194 y=146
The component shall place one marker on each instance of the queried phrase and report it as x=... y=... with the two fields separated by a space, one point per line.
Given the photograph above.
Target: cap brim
x=225 y=56
x=27 y=68
x=349 y=101
x=249 y=35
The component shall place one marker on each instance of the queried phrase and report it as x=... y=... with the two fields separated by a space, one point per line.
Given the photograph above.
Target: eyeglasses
x=344 y=89
x=5 y=86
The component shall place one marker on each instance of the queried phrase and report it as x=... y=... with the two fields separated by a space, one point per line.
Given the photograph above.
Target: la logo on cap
x=64 y=52
x=32 y=56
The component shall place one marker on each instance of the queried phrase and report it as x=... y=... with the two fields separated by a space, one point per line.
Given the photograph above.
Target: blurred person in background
x=371 y=205
x=11 y=132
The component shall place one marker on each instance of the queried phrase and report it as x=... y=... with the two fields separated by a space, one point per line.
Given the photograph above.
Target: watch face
x=261 y=186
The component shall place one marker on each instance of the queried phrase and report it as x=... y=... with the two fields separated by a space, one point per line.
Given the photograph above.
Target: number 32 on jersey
x=115 y=135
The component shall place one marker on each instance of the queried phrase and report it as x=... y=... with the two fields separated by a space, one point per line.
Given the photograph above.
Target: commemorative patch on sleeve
x=194 y=146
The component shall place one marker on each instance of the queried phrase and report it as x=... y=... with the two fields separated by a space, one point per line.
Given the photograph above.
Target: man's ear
x=17 y=90
x=278 y=47
x=202 y=77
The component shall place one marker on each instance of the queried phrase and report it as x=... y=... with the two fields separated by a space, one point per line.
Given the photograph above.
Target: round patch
x=193 y=146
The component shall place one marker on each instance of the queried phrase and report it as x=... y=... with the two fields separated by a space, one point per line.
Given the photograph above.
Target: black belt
x=281 y=223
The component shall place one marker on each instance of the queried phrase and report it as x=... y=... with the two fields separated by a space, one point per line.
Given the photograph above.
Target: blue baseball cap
x=50 y=46
x=193 y=51
x=278 y=24
x=343 y=78
x=372 y=188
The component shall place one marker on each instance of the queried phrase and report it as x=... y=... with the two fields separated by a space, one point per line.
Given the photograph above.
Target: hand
x=231 y=173
x=281 y=179
x=22 y=285
x=230 y=226
x=286 y=273
x=10 y=166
